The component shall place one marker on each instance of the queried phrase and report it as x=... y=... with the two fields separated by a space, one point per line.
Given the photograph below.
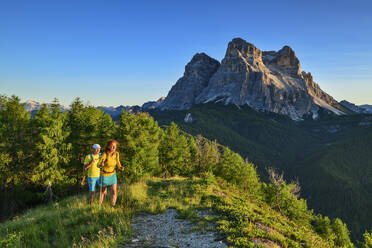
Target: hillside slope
x=337 y=181
x=241 y=219
x=330 y=156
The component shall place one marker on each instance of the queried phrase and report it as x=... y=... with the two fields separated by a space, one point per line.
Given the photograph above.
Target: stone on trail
x=167 y=231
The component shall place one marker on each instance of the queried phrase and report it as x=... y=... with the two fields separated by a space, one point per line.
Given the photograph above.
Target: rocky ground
x=167 y=231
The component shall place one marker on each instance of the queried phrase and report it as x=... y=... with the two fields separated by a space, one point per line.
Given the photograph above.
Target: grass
x=74 y=223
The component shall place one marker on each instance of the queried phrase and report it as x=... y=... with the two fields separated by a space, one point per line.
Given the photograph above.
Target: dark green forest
x=330 y=156
x=47 y=151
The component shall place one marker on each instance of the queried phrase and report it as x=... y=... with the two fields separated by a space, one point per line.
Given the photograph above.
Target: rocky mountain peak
x=284 y=59
x=197 y=74
x=240 y=47
x=32 y=105
x=307 y=76
x=287 y=59
x=200 y=63
x=153 y=104
x=264 y=80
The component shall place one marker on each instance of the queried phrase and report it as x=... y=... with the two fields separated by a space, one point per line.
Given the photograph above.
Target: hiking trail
x=167 y=231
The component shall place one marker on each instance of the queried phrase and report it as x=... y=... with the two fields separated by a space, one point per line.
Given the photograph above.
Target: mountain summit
x=264 y=80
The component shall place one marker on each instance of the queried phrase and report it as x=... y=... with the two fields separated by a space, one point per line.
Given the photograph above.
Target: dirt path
x=166 y=231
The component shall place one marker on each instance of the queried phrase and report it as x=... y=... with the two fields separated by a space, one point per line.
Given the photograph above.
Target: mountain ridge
x=264 y=80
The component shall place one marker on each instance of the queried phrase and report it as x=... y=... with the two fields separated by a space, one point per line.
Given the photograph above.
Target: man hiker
x=90 y=164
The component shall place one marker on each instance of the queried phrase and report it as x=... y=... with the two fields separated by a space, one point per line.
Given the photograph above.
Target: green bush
x=367 y=240
x=235 y=170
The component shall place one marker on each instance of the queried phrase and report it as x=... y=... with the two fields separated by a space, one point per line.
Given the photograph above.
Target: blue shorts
x=92 y=181
x=108 y=180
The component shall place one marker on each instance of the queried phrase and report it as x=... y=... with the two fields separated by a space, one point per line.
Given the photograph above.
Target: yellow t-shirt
x=93 y=171
x=110 y=163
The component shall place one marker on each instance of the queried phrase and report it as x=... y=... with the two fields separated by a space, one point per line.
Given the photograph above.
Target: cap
x=96 y=146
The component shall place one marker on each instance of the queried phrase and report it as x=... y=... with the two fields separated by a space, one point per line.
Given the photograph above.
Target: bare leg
x=102 y=197
x=114 y=194
x=91 y=196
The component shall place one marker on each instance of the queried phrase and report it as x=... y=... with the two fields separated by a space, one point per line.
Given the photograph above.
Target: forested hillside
x=330 y=156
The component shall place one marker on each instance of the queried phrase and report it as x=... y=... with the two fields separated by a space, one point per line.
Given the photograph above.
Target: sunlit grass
x=73 y=222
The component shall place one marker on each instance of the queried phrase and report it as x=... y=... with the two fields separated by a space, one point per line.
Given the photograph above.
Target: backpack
x=85 y=174
x=99 y=155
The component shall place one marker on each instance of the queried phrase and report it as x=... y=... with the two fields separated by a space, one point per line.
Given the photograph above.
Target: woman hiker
x=90 y=164
x=108 y=162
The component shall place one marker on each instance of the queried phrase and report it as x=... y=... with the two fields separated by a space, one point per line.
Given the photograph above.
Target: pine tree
x=193 y=158
x=174 y=153
x=323 y=227
x=51 y=150
x=138 y=135
x=367 y=240
x=208 y=154
x=342 y=234
x=234 y=169
x=87 y=126
x=15 y=142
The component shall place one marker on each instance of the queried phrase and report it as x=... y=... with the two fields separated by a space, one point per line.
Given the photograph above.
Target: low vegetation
x=242 y=218
x=164 y=168
x=330 y=157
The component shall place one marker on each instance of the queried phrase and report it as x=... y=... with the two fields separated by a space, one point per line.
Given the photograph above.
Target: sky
x=129 y=52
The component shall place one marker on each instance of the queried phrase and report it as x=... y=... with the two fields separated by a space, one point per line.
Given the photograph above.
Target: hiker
x=90 y=164
x=108 y=162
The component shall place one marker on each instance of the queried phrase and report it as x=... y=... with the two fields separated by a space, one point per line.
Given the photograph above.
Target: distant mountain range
x=151 y=105
x=33 y=106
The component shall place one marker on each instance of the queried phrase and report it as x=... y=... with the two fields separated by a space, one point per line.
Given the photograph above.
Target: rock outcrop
x=189 y=118
x=366 y=108
x=361 y=109
x=351 y=106
x=197 y=74
x=265 y=80
x=153 y=104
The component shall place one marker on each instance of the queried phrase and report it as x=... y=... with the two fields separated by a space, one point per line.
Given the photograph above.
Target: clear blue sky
x=129 y=52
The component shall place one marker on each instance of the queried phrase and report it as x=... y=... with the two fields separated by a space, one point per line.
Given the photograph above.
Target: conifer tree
x=15 y=142
x=75 y=124
x=174 y=153
x=192 y=159
x=87 y=126
x=367 y=240
x=208 y=154
x=234 y=169
x=342 y=234
x=138 y=135
x=323 y=227
x=52 y=153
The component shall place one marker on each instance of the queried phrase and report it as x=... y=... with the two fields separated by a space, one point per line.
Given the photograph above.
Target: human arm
x=101 y=161
x=88 y=162
x=118 y=164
